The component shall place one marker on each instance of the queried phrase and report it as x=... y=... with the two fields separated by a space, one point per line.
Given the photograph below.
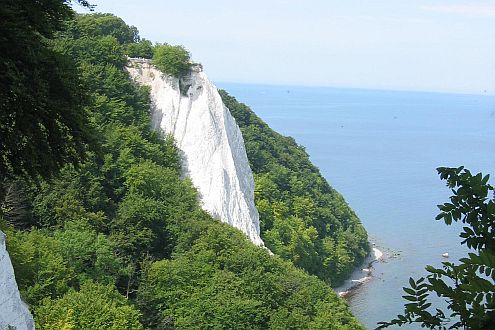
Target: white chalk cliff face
x=13 y=311
x=213 y=152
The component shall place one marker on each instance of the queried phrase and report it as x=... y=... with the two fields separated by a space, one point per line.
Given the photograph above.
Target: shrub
x=173 y=60
x=143 y=48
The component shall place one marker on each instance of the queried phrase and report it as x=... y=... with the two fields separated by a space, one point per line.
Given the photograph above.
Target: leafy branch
x=468 y=287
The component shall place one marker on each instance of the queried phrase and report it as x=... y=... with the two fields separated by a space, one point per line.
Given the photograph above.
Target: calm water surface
x=380 y=150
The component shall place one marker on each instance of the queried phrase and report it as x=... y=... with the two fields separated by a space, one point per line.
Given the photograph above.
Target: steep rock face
x=213 y=153
x=13 y=311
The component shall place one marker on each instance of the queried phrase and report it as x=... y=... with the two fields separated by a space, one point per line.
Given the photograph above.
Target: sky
x=446 y=46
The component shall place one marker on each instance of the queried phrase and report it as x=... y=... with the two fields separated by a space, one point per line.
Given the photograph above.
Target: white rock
x=378 y=254
x=213 y=152
x=13 y=311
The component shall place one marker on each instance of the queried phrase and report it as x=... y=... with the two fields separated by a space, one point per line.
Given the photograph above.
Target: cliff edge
x=212 y=148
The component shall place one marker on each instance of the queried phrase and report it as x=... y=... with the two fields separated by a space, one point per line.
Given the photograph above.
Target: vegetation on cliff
x=116 y=239
x=173 y=60
x=303 y=219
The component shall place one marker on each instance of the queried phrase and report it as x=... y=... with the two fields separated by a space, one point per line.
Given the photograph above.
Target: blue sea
x=380 y=149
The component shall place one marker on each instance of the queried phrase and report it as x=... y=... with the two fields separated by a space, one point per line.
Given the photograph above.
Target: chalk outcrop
x=213 y=152
x=13 y=311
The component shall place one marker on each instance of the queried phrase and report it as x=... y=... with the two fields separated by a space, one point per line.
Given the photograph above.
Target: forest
x=102 y=230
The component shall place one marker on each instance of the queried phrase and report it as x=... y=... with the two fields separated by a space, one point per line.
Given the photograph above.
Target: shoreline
x=353 y=283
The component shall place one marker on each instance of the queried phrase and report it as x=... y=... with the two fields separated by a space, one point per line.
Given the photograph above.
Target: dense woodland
x=102 y=231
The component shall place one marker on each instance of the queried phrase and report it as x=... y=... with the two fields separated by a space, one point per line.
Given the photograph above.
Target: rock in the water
x=13 y=311
x=213 y=152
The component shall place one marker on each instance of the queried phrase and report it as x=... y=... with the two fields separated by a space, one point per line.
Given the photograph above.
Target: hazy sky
x=412 y=45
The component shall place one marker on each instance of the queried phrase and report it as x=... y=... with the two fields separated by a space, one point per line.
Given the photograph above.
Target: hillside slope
x=120 y=241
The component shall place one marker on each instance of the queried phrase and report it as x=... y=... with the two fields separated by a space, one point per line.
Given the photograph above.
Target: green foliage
x=99 y=51
x=122 y=230
x=42 y=121
x=148 y=217
x=94 y=306
x=225 y=282
x=48 y=264
x=89 y=254
x=143 y=48
x=173 y=60
x=74 y=195
x=40 y=268
x=468 y=287
x=104 y=25
x=302 y=218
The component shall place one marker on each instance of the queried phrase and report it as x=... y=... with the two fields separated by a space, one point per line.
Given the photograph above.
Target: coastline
x=357 y=279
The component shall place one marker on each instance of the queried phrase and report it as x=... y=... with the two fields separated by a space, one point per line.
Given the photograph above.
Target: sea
x=380 y=150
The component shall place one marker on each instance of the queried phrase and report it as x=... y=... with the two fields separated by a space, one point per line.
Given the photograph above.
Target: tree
x=223 y=281
x=173 y=60
x=94 y=306
x=40 y=268
x=100 y=25
x=468 y=287
x=143 y=48
x=42 y=120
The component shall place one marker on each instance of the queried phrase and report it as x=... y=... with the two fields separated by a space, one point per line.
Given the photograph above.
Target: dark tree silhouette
x=43 y=124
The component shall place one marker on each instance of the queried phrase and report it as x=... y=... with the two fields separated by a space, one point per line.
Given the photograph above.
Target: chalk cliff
x=211 y=143
x=13 y=311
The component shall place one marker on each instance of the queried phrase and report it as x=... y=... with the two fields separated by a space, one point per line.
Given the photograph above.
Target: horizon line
x=378 y=89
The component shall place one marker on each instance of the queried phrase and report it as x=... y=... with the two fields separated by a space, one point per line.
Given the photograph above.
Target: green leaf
x=410 y=298
x=412 y=283
x=408 y=290
x=421 y=293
